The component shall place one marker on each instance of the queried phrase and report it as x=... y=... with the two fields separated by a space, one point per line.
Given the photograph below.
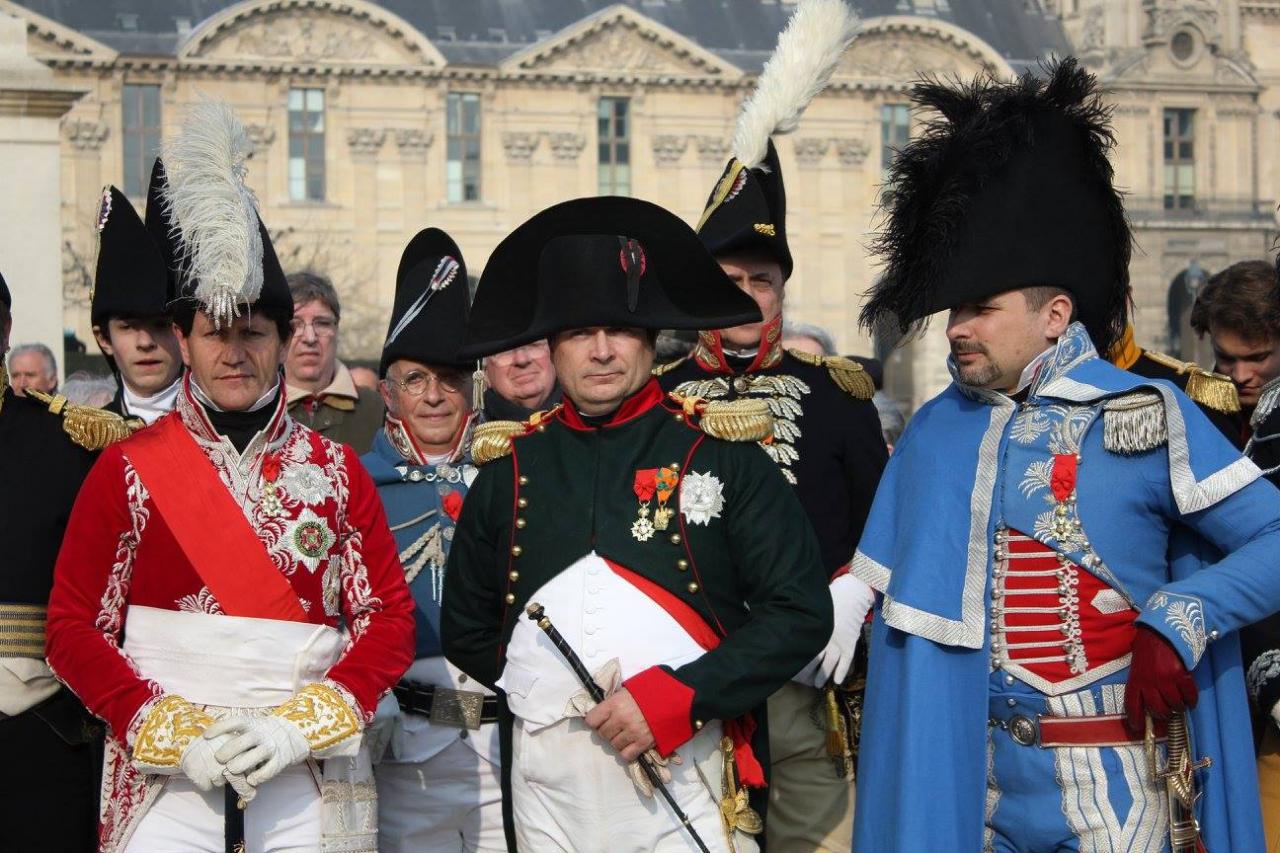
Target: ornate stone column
x=32 y=104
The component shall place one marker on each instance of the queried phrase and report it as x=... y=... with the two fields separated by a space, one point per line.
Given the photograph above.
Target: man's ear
x=104 y=340
x=385 y=393
x=183 y=344
x=1058 y=316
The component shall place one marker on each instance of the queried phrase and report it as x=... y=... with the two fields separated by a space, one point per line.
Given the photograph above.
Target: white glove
x=851 y=600
x=260 y=748
x=200 y=765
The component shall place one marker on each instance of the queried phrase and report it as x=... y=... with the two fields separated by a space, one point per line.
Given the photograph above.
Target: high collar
x=149 y=409
x=649 y=396
x=710 y=354
x=402 y=441
x=1071 y=350
x=191 y=408
x=1268 y=402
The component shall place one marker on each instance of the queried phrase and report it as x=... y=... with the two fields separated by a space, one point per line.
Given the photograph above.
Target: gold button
x=697 y=724
x=516 y=550
x=521 y=524
x=511 y=598
x=675 y=466
x=523 y=503
x=693 y=587
x=524 y=481
x=514 y=575
x=679 y=416
x=541 y=427
x=682 y=565
x=675 y=539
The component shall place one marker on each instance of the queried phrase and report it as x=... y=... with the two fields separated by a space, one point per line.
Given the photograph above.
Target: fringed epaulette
x=92 y=429
x=848 y=375
x=492 y=440
x=660 y=369
x=1134 y=423
x=729 y=420
x=1212 y=390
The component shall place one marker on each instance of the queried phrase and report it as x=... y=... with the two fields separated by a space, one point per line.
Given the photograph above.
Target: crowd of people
x=529 y=588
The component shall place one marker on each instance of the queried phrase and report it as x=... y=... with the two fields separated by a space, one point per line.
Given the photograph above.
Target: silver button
x=1011 y=702
x=462 y=678
x=1022 y=730
x=415 y=476
x=1008 y=679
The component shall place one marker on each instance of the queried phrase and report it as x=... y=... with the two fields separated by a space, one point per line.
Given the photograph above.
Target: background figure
x=321 y=393
x=33 y=366
x=86 y=389
x=521 y=381
x=807 y=337
x=365 y=377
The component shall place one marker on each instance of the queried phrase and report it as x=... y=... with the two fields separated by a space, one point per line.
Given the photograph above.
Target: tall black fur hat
x=1008 y=187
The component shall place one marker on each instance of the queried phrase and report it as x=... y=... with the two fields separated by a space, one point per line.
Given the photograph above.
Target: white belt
x=229 y=661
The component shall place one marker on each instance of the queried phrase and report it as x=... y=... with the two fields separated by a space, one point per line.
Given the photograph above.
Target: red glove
x=1159 y=683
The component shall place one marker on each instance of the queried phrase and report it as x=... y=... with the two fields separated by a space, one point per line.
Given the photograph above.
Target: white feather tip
x=808 y=50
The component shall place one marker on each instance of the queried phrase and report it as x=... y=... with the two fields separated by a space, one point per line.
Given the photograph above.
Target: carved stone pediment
x=903 y=50
x=316 y=32
x=621 y=41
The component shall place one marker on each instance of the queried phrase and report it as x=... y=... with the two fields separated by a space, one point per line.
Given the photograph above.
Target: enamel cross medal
x=648 y=483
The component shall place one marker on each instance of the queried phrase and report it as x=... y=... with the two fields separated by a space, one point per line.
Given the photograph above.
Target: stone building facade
x=373 y=120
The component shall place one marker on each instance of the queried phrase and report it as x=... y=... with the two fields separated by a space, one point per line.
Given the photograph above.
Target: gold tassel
x=1213 y=390
x=837 y=732
x=477 y=388
x=492 y=440
x=737 y=420
x=92 y=429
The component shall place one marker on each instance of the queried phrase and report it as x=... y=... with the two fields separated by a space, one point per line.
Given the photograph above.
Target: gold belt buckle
x=458 y=708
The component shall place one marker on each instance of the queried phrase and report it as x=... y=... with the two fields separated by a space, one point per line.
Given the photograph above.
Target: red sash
x=211 y=530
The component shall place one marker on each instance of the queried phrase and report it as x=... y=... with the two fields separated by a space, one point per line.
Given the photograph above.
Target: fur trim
x=214 y=211
x=978 y=126
x=802 y=63
x=1134 y=423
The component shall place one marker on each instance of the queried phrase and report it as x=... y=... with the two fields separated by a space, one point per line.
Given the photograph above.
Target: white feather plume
x=214 y=210
x=800 y=67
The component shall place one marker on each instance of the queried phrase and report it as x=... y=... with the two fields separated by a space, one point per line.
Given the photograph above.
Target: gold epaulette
x=1212 y=390
x=729 y=420
x=492 y=440
x=660 y=369
x=848 y=375
x=92 y=429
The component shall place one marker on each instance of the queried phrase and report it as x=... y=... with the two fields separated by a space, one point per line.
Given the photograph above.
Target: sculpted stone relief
x=904 y=57
x=620 y=46
x=306 y=37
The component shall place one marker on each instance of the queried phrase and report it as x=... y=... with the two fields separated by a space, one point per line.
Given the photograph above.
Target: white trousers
x=283 y=818
x=451 y=802
x=571 y=792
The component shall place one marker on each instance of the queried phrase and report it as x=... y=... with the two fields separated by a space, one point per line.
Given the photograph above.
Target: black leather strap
x=419 y=698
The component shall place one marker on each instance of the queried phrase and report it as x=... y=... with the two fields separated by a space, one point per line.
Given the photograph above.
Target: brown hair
x=1244 y=299
x=307 y=287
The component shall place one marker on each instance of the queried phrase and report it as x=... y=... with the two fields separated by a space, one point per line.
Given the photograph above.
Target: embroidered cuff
x=165 y=733
x=667 y=705
x=325 y=718
x=1180 y=620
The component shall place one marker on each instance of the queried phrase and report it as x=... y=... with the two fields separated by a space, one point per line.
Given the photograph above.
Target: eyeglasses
x=416 y=383
x=322 y=327
x=535 y=349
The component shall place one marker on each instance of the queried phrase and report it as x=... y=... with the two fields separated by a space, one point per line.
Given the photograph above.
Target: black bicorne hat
x=747 y=211
x=4 y=293
x=429 y=317
x=1008 y=187
x=604 y=261
x=131 y=278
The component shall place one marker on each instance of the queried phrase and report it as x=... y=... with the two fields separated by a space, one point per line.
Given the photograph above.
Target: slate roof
x=484 y=32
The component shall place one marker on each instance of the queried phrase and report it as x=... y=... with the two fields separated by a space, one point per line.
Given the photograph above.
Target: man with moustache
x=521 y=381
x=321 y=392
x=827 y=440
x=46 y=449
x=438 y=787
x=129 y=306
x=655 y=532
x=1239 y=308
x=228 y=598
x=1065 y=551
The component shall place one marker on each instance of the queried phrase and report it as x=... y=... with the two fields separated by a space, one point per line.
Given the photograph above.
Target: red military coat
x=328 y=536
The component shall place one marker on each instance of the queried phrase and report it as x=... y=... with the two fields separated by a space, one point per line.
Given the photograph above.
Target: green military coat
x=748 y=566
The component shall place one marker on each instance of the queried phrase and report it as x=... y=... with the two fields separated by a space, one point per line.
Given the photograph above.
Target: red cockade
x=1063 y=480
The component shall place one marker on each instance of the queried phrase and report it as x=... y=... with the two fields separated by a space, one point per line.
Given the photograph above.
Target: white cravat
x=149 y=409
